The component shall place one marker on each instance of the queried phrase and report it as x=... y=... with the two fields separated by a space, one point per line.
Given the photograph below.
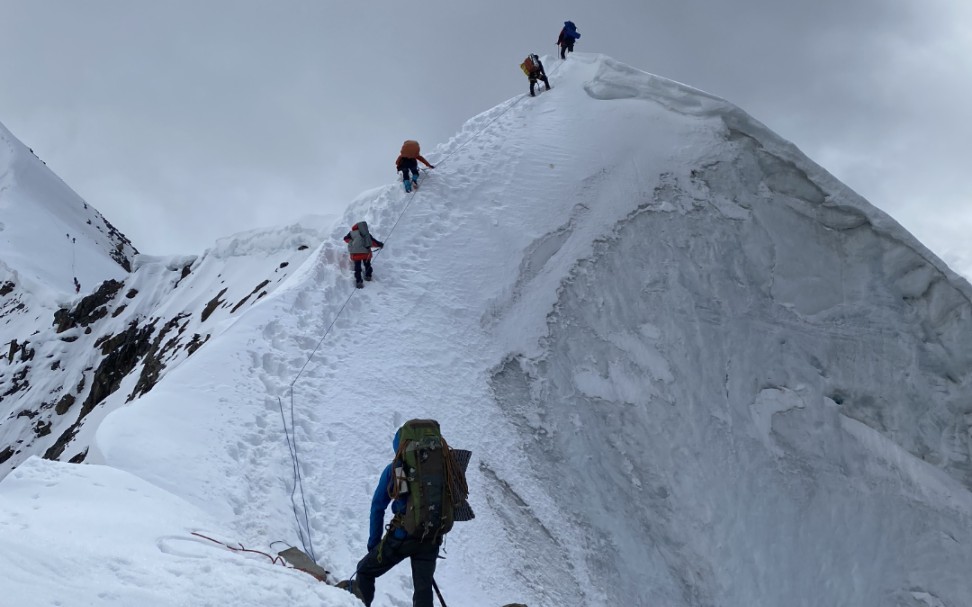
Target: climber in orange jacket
x=407 y=164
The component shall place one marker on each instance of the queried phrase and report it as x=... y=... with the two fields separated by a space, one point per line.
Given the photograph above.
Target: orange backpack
x=528 y=66
x=410 y=149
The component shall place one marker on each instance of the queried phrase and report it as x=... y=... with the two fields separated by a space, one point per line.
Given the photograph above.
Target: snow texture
x=694 y=370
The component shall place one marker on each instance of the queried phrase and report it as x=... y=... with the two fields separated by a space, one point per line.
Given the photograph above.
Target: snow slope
x=49 y=236
x=693 y=367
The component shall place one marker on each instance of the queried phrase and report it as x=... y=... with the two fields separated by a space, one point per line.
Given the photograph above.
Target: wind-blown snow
x=694 y=369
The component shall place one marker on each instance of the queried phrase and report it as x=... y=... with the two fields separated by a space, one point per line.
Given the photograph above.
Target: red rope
x=276 y=560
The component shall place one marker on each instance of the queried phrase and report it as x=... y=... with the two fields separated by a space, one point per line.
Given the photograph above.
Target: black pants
x=408 y=165
x=357 y=268
x=392 y=552
x=566 y=47
x=534 y=76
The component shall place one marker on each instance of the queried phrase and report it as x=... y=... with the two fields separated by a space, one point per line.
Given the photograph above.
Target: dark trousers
x=357 y=268
x=566 y=47
x=538 y=76
x=408 y=165
x=391 y=552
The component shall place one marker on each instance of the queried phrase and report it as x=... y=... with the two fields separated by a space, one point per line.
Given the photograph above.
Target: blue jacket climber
x=381 y=499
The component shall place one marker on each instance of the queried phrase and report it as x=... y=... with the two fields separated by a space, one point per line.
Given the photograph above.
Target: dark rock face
x=6 y=454
x=195 y=343
x=122 y=352
x=212 y=305
x=89 y=309
x=18 y=382
x=26 y=353
x=89 y=350
x=64 y=404
x=243 y=301
x=154 y=364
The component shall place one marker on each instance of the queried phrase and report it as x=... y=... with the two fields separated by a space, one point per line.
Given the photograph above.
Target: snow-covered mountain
x=50 y=238
x=694 y=369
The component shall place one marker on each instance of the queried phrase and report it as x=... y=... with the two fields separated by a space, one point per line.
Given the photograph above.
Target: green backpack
x=433 y=478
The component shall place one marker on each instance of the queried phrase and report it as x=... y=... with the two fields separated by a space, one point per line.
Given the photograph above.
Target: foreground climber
x=407 y=164
x=360 y=243
x=533 y=68
x=425 y=484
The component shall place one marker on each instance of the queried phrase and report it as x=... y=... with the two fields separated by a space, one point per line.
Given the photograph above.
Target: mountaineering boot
x=408 y=185
x=356 y=591
x=349 y=585
x=368 y=277
x=359 y=284
x=414 y=183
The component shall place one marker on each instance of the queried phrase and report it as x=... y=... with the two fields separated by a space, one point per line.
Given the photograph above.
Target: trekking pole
x=438 y=593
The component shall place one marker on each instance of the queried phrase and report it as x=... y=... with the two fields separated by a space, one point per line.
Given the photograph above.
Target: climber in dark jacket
x=360 y=243
x=568 y=35
x=533 y=68
x=397 y=545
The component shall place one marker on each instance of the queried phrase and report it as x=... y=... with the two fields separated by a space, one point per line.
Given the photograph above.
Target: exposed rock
x=122 y=352
x=62 y=441
x=26 y=354
x=118 y=310
x=28 y=413
x=89 y=309
x=64 y=404
x=42 y=428
x=131 y=293
x=119 y=253
x=77 y=459
x=6 y=454
x=243 y=301
x=212 y=305
x=6 y=287
x=18 y=383
x=154 y=359
x=195 y=343
x=284 y=264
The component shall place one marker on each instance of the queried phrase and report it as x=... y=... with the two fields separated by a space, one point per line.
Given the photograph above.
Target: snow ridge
x=694 y=370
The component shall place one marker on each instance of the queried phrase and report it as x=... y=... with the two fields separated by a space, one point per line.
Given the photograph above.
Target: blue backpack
x=571 y=30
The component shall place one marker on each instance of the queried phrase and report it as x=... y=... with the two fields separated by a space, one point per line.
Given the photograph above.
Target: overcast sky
x=186 y=121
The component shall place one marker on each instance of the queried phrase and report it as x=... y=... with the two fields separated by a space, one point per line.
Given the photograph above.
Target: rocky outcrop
x=155 y=357
x=89 y=309
x=212 y=305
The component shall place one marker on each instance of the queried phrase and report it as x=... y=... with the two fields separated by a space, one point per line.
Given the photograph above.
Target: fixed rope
x=303 y=526
x=276 y=560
